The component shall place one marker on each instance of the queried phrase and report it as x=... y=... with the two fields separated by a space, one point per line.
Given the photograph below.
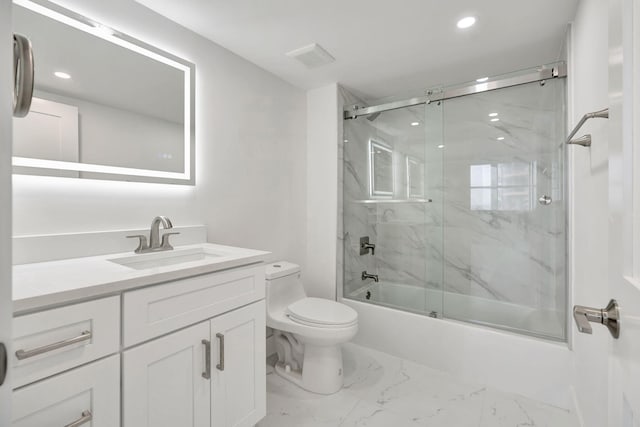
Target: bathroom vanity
x=163 y=339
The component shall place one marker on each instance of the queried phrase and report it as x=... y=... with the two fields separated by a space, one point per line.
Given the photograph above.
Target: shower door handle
x=608 y=316
x=23 y=75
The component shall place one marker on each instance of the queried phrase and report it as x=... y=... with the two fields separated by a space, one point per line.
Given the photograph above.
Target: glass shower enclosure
x=454 y=207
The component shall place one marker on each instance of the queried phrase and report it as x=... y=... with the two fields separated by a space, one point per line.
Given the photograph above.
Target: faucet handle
x=165 y=240
x=142 y=243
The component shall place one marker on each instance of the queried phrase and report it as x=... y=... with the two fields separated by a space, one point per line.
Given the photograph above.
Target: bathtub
x=395 y=320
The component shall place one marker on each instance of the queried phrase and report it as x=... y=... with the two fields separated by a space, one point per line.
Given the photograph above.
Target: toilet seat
x=321 y=313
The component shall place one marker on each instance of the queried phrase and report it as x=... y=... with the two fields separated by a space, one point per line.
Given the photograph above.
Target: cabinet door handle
x=25 y=354
x=207 y=359
x=85 y=418
x=220 y=366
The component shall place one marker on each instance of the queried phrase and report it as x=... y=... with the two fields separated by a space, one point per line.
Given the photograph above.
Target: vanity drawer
x=157 y=310
x=87 y=396
x=52 y=341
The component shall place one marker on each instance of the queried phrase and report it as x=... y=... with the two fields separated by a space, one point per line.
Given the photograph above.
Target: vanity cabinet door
x=238 y=363
x=87 y=396
x=164 y=381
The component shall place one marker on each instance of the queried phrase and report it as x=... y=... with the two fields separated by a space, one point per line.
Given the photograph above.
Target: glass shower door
x=386 y=199
x=504 y=209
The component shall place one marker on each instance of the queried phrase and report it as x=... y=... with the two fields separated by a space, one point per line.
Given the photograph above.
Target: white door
x=165 y=381
x=87 y=395
x=6 y=93
x=238 y=382
x=624 y=210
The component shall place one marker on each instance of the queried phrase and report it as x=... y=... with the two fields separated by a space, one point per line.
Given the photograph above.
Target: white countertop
x=47 y=284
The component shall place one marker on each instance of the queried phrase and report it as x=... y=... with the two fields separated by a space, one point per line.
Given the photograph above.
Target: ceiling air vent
x=312 y=56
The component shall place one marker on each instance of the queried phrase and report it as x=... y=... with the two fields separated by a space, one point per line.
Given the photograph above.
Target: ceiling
x=382 y=48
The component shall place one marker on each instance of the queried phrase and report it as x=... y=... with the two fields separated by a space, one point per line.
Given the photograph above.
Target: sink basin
x=166 y=258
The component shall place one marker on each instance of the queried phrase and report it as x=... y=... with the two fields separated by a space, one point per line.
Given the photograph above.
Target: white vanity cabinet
x=163 y=382
x=195 y=351
x=89 y=395
x=188 y=352
x=209 y=374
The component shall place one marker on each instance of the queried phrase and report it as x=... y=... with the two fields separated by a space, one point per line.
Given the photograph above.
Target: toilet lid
x=322 y=311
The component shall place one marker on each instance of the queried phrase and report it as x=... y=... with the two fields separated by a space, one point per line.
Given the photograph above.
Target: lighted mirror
x=380 y=169
x=106 y=106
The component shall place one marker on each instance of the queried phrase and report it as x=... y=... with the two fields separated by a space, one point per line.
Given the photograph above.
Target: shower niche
x=462 y=192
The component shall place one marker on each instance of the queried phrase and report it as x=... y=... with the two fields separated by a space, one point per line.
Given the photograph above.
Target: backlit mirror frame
x=24 y=165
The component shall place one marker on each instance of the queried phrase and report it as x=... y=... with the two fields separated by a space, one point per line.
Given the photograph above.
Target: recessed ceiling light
x=415 y=123
x=495 y=119
x=440 y=146
x=62 y=75
x=500 y=138
x=466 y=22
x=482 y=80
x=346 y=140
x=493 y=114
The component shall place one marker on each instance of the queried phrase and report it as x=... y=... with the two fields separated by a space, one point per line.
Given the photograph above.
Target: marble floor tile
x=381 y=390
x=506 y=410
x=369 y=415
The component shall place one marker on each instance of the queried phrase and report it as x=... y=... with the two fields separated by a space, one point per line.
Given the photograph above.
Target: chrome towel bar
x=585 y=140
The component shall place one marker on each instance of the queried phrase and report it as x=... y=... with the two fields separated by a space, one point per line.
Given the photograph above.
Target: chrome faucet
x=366 y=276
x=155 y=244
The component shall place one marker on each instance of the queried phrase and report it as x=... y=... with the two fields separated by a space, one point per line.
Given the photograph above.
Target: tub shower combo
x=454 y=203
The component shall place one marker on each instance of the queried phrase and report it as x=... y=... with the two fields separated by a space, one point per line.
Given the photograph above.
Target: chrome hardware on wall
x=365 y=246
x=23 y=75
x=585 y=140
x=366 y=276
x=608 y=316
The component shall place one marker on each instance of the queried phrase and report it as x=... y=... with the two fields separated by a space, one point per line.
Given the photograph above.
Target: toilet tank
x=283 y=284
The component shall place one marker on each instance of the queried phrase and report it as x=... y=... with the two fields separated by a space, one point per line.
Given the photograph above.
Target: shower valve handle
x=365 y=246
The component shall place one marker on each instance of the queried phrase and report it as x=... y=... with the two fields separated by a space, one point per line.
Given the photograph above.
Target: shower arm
x=585 y=140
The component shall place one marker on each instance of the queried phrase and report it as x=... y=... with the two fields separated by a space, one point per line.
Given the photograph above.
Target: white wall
x=250 y=148
x=5 y=197
x=588 y=91
x=323 y=117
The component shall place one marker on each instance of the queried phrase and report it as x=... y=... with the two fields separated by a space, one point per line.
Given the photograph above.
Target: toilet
x=308 y=332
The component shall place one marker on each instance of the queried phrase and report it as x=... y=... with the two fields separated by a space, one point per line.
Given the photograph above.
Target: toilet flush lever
x=608 y=316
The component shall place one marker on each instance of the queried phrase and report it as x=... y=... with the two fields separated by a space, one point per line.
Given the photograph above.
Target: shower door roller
x=545 y=200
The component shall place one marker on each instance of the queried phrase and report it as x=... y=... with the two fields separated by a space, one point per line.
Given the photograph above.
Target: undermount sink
x=166 y=258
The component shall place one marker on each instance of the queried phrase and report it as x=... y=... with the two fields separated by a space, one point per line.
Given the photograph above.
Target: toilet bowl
x=308 y=331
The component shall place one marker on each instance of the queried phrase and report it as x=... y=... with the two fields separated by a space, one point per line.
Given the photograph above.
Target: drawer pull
x=85 y=418
x=25 y=354
x=220 y=366
x=207 y=359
